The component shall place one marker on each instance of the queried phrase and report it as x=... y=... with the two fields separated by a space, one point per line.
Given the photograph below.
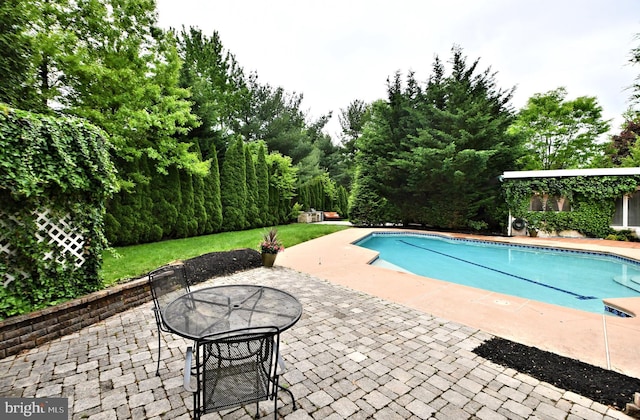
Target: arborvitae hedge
x=212 y=203
x=164 y=192
x=246 y=192
x=233 y=191
x=252 y=213
x=262 y=178
x=187 y=225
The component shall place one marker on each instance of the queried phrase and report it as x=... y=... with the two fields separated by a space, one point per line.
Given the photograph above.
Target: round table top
x=219 y=309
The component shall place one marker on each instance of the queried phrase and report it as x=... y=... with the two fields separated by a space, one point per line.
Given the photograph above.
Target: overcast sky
x=336 y=51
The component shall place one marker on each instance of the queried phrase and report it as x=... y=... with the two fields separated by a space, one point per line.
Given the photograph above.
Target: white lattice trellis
x=5 y=248
x=59 y=235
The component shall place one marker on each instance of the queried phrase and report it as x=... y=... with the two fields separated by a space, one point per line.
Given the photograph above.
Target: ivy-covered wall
x=55 y=175
x=592 y=201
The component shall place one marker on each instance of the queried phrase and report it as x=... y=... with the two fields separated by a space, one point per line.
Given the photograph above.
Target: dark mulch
x=601 y=385
x=215 y=264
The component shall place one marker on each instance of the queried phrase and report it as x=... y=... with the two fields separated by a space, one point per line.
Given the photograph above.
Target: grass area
x=136 y=260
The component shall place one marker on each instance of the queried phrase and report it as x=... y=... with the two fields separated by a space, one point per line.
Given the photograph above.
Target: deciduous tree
x=107 y=62
x=17 y=84
x=560 y=133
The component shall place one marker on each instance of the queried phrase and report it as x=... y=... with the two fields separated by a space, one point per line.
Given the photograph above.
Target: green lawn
x=134 y=261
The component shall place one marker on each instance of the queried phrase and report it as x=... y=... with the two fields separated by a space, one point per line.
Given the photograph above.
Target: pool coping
x=603 y=340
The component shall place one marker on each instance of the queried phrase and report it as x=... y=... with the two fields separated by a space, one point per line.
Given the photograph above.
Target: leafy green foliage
x=16 y=85
x=623 y=149
x=62 y=166
x=282 y=187
x=106 y=62
x=592 y=200
x=63 y=155
x=558 y=133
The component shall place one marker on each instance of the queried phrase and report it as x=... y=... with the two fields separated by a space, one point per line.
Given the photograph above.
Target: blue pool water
x=573 y=279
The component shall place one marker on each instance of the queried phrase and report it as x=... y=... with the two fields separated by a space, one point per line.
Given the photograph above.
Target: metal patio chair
x=234 y=369
x=166 y=284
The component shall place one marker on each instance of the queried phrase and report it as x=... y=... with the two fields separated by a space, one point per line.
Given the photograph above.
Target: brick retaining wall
x=27 y=331
x=30 y=330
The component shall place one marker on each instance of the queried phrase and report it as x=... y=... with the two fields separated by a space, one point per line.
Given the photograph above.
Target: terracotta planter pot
x=268 y=259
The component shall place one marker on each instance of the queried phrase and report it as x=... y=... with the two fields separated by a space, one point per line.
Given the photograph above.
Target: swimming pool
x=574 y=279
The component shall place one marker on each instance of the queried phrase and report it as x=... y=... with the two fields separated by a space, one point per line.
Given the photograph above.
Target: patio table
x=226 y=308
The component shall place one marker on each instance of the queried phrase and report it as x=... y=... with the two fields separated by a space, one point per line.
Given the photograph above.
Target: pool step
x=632 y=282
x=379 y=262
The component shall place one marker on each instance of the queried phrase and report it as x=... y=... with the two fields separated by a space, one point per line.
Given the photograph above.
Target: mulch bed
x=604 y=386
x=215 y=264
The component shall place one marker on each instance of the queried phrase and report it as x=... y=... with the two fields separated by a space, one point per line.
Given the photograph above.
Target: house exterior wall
x=627 y=216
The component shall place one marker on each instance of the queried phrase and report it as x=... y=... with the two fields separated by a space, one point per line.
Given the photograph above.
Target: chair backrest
x=236 y=369
x=167 y=283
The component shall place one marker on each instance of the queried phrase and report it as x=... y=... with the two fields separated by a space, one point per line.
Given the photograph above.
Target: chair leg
x=158 y=366
x=290 y=394
x=275 y=407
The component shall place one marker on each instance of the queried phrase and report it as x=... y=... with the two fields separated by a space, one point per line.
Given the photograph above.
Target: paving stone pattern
x=351 y=356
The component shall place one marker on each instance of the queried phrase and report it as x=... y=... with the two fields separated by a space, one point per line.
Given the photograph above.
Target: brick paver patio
x=351 y=355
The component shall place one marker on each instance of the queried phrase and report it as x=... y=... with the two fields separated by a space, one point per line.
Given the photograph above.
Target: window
x=536 y=203
x=627 y=211
x=549 y=203
x=618 y=217
x=634 y=210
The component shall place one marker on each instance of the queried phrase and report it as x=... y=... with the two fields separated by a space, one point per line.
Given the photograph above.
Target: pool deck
x=603 y=340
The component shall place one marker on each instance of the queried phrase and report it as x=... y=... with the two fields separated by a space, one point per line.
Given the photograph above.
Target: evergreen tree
x=262 y=179
x=146 y=220
x=124 y=223
x=199 y=210
x=186 y=225
x=433 y=155
x=163 y=195
x=218 y=87
x=200 y=213
x=233 y=191
x=212 y=203
x=367 y=204
x=252 y=213
x=342 y=206
x=463 y=147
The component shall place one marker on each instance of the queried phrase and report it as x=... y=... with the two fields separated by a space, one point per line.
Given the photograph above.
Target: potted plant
x=269 y=247
x=533 y=224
